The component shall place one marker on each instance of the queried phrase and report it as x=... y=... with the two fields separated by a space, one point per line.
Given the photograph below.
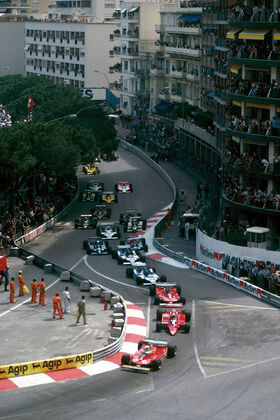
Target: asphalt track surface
x=227 y=367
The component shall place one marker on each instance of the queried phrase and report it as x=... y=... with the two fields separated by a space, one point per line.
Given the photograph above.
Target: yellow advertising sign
x=49 y=365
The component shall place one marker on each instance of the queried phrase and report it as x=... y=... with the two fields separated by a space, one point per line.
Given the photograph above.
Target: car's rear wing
x=123 y=246
x=106 y=223
x=157 y=343
x=165 y=285
x=171 y=305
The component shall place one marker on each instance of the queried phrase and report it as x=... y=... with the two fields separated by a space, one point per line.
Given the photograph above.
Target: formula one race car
x=173 y=320
x=89 y=195
x=108 y=197
x=139 y=244
x=168 y=295
x=134 y=224
x=91 y=169
x=100 y=211
x=149 y=356
x=95 y=186
x=126 y=255
x=85 y=221
x=127 y=215
x=123 y=187
x=108 y=231
x=144 y=275
x=96 y=246
x=109 y=157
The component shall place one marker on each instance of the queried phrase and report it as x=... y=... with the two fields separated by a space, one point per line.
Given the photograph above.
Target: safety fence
x=220 y=275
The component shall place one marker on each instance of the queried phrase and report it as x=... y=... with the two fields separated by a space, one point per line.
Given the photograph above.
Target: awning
x=235 y=68
x=133 y=9
x=163 y=106
x=210 y=94
x=253 y=34
x=231 y=34
x=277 y=109
x=256 y=68
x=189 y=18
x=123 y=10
x=276 y=36
x=263 y=106
x=237 y=103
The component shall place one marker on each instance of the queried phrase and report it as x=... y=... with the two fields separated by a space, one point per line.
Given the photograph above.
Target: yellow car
x=109 y=197
x=91 y=169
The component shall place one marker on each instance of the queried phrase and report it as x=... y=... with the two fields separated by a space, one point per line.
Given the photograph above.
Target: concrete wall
x=12 y=48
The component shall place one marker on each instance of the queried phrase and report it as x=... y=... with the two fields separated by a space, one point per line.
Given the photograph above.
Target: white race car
x=144 y=275
x=108 y=231
x=125 y=255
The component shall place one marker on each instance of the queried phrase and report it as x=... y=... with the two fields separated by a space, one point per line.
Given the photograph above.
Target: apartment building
x=175 y=69
x=17 y=10
x=252 y=142
x=77 y=54
x=136 y=36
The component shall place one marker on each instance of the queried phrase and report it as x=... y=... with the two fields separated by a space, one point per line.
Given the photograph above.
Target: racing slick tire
x=158 y=326
x=171 y=351
x=85 y=243
x=159 y=314
x=154 y=269
x=155 y=365
x=142 y=258
x=114 y=254
x=119 y=260
x=157 y=300
x=108 y=214
x=131 y=188
x=146 y=248
x=144 y=224
x=182 y=300
x=106 y=243
x=118 y=233
x=88 y=251
x=125 y=228
x=129 y=273
x=140 y=344
x=98 y=231
x=178 y=288
x=122 y=242
x=125 y=359
x=187 y=315
x=139 y=281
x=187 y=328
x=163 y=279
x=152 y=290
x=116 y=188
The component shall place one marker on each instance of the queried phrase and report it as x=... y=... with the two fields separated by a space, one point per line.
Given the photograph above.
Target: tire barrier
x=194 y=264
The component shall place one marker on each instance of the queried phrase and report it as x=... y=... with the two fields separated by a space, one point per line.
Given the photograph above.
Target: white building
x=77 y=54
x=175 y=71
x=11 y=48
x=136 y=36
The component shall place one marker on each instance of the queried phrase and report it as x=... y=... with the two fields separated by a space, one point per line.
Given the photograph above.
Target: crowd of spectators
x=247 y=161
x=5 y=118
x=252 y=88
x=258 y=13
x=252 y=125
x=26 y=216
x=253 y=50
x=251 y=195
x=178 y=44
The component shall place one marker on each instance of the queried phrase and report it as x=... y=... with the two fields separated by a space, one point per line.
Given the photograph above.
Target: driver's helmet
x=122 y=253
x=147 y=347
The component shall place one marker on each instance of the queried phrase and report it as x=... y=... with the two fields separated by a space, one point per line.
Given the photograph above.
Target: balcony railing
x=184 y=51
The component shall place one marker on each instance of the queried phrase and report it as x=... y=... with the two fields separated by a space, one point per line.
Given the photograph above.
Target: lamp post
x=108 y=83
x=71 y=116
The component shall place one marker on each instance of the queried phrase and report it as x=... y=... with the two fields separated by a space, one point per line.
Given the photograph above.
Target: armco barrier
x=194 y=264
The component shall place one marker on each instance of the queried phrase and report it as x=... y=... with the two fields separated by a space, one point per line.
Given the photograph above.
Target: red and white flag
x=30 y=103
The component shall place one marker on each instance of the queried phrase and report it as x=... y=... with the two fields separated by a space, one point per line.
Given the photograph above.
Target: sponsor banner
x=94 y=94
x=48 y=365
x=225 y=277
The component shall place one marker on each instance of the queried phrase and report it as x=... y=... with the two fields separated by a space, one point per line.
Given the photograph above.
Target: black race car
x=139 y=244
x=95 y=186
x=96 y=246
x=90 y=195
x=101 y=211
x=108 y=231
x=108 y=197
x=135 y=224
x=85 y=221
x=127 y=215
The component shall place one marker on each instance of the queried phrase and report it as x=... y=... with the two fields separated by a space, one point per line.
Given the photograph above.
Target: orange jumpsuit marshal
x=57 y=306
x=21 y=283
x=12 y=290
x=42 y=287
x=34 y=287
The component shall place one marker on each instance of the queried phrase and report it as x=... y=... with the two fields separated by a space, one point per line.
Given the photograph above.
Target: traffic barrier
x=95 y=291
x=85 y=286
x=48 y=268
x=65 y=276
x=29 y=259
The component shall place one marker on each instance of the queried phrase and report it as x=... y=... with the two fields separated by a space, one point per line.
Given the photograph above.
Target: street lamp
x=71 y=116
x=108 y=83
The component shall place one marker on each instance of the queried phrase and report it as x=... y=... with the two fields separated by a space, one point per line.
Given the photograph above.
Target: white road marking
x=110 y=278
x=76 y=337
x=244 y=367
x=148 y=316
x=240 y=306
x=194 y=341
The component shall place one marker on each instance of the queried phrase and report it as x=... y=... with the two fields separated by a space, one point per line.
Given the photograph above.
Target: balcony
x=162 y=29
x=255 y=58
x=257 y=19
x=250 y=203
x=257 y=131
x=220 y=96
x=176 y=74
x=143 y=72
x=156 y=72
x=164 y=95
x=176 y=97
x=192 y=77
x=221 y=45
x=195 y=53
x=129 y=36
x=270 y=96
x=221 y=70
x=159 y=48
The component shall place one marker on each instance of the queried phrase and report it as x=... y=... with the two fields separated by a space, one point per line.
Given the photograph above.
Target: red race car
x=149 y=356
x=123 y=187
x=167 y=294
x=173 y=320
